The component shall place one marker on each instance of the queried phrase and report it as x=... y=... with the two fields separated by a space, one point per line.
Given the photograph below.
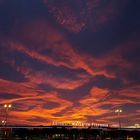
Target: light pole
x=6 y=107
x=118 y=111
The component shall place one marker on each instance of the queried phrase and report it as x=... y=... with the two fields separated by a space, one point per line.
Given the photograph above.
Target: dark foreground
x=68 y=133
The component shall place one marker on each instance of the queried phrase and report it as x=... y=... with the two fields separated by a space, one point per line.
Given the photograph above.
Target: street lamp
x=3 y=122
x=6 y=107
x=118 y=111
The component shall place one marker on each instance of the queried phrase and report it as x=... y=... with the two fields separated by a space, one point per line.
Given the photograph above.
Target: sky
x=70 y=60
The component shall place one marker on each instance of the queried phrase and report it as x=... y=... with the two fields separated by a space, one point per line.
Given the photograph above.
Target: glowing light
x=7 y=106
x=118 y=110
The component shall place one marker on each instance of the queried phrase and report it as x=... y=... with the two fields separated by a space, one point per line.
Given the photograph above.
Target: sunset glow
x=70 y=61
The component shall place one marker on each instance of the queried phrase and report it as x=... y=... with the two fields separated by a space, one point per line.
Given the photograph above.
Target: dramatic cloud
x=69 y=61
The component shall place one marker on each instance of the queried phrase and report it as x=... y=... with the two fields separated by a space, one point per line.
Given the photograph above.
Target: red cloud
x=41 y=77
x=131 y=92
x=23 y=89
x=48 y=37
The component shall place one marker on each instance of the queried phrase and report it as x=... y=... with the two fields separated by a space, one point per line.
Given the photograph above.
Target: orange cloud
x=32 y=102
x=41 y=77
x=96 y=94
x=23 y=89
x=131 y=92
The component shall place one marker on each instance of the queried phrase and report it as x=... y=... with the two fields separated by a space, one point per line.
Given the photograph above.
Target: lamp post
x=118 y=111
x=6 y=107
